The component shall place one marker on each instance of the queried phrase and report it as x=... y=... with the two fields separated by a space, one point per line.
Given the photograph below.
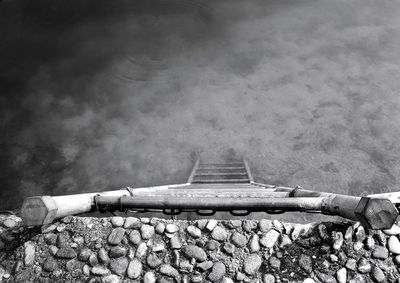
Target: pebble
x=117 y=251
x=217 y=272
x=226 y=280
x=145 y=220
x=211 y=224
x=229 y=248
x=100 y=270
x=53 y=250
x=149 y=277
x=147 y=231
x=269 y=238
x=141 y=250
x=86 y=270
x=195 y=252
x=325 y=278
x=168 y=270
x=135 y=237
x=212 y=245
x=171 y=228
x=254 y=244
x=202 y=223
x=360 y=233
x=249 y=225
x=395 y=230
x=305 y=263
x=153 y=261
x=50 y=264
x=175 y=242
x=274 y=262
x=239 y=240
x=9 y=223
x=103 y=256
x=309 y=280
x=348 y=235
x=380 y=253
x=358 y=246
x=116 y=236
x=232 y=224
x=135 y=269
x=396 y=260
x=206 y=265
x=394 y=245
x=29 y=253
x=370 y=242
x=252 y=264
x=333 y=258
x=219 y=234
x=194 y=231
x=117 y=221
x=131 y=222
x=73 y=265
x=323 y=232
x=112 y=278
x=268 y=278
x=265 y=225
x=160 y=228
x=66 y=253
x=351 y=264
x=337 y=240
x=378 y=275
x=93 y=260
x=341 y=275
x=364 y=266
x=119 y=265
x=296 y=232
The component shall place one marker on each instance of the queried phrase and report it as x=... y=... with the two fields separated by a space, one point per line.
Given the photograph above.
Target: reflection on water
x=101 y=95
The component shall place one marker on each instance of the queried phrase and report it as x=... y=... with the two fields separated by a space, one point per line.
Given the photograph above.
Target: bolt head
x=376 y=213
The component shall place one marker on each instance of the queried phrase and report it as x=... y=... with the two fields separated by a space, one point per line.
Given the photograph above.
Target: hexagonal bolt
x=376 y=213
x=39 y=210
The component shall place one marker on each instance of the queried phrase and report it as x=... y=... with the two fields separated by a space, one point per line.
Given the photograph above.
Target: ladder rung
x=220 y=174
x=222 y=181
x=222 y=168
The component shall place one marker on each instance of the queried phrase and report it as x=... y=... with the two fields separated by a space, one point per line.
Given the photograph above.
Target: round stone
x=219 y=234
x=149 y=277
x=229 y=248
x=395 y=230
x=84 y=254
x=270 y=238
x=100 y=270
x=116 y=252
x=274 y=262
x=50 y=264
x=147 y=231
x=66 y=253
x=153 y=261
x=135 y=269
x=249 y=225
x=194 y=231
x=93 y=260
x=9 y=223
x=254 y=244
x=117 y=221
x=119 y=265
x=265 y=225
x=232 y=224
x=160 y=228
x=141 y=250
x=268 y=278
x=195 y=252
x=168 y=270
x=135 y=237
x=252 y=264
x=116 y=236
x=351 y=264
x=380 y=253
x=131 y=222
x=358 y=246
x=239 y=240
x=103 y=256
x=341 y=275
x=175 y=242
x=171 y=228
x=309 y=280
x=305 y=263
x=325 y=278
x=206 y=265
x=337 y=240
x=394 y=245
x=378 y=275
x=217 y=272
x=112 y=278
x=364 y=266
x=212 y=245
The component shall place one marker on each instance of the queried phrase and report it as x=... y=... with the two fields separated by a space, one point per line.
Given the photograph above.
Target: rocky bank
x=119 y=249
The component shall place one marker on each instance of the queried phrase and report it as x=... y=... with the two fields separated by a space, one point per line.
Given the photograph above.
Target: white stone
x=29 y=256
x=270 y=238
x=226 y=280
x=395 y=230
x=394 y=245
x=149 y=277
x=117 y=221
x=308 y=280
x=111 y=279
x=134 y=269
x=341 y=275
x=141 y=250
x=211 y=224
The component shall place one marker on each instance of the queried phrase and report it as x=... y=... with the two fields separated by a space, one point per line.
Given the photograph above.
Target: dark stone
x=66 y=252
x=305 y=263
x=195 y=252
x=116 y=252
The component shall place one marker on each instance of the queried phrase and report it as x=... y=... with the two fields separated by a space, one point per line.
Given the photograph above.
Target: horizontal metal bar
x=221 y=181
x=221 y=168
x=221 y=174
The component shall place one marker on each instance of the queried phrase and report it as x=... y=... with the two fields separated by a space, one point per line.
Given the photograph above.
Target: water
x=96 y=96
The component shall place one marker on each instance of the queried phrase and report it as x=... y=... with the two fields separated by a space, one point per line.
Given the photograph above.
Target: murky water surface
x=97 y=95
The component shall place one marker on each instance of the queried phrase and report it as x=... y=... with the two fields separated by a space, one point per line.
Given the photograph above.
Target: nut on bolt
x=376 y=213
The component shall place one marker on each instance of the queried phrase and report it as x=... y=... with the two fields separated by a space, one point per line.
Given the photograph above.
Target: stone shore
x=119 y=249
